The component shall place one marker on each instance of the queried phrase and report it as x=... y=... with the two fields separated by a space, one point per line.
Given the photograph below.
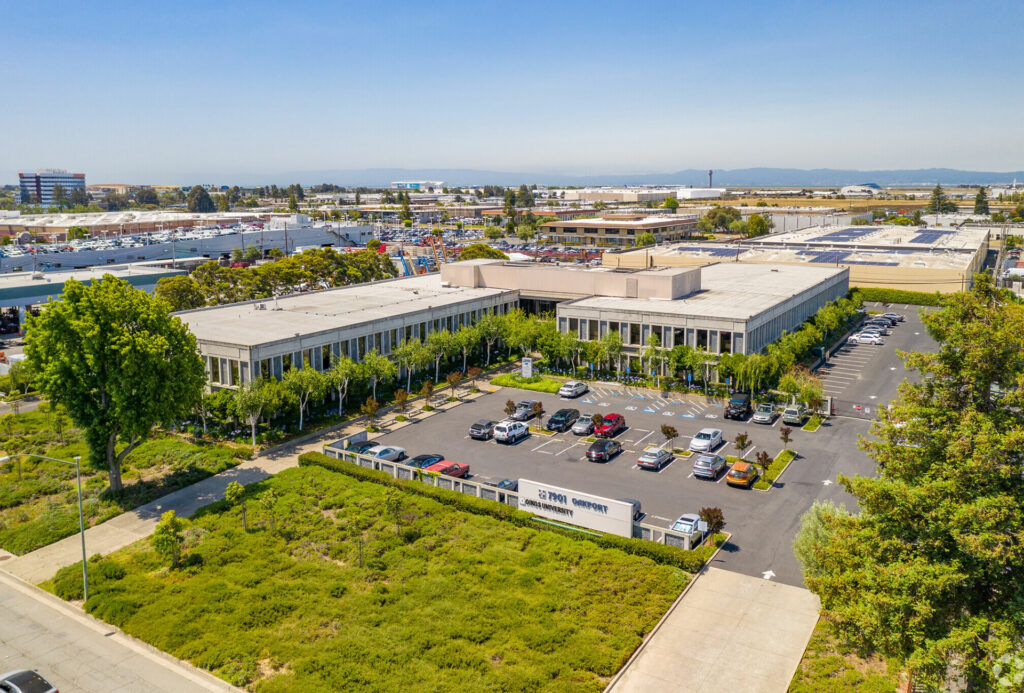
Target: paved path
x=75 y=652
x=42 y=564
x=728 y=632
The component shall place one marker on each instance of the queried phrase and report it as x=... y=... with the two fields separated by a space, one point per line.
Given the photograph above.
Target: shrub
x=813 y=423
x=917 y=298
x=537 y=383
x=774 y=469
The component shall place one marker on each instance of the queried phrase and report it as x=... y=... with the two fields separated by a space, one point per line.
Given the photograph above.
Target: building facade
x=39 y=186
x=618 y=231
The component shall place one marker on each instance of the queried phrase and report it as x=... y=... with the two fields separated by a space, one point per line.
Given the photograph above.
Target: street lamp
x=81 y=521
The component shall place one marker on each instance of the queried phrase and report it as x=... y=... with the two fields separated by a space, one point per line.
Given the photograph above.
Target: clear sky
x=154 y=92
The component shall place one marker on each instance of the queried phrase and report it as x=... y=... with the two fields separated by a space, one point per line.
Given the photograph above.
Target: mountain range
x=742 y=177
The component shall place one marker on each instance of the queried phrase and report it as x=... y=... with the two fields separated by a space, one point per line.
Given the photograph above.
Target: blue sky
x=168 y=92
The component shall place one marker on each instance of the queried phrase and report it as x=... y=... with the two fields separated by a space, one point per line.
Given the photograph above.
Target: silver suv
x=510 y=432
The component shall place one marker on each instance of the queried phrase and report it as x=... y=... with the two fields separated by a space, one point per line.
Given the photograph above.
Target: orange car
x=742 y=474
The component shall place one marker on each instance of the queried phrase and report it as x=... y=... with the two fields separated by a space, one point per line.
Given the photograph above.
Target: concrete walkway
x=75 y=652
x=42 y=564
x=728 y=632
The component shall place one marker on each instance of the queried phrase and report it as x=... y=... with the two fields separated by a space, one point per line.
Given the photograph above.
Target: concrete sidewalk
x=42 y=564
x=76 y=652
x=728 y=632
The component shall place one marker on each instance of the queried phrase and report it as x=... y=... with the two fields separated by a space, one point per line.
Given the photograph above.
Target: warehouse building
x=899 y=257
x=619 y=230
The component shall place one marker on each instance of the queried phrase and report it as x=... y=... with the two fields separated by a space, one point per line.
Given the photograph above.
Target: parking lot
x=763 y=523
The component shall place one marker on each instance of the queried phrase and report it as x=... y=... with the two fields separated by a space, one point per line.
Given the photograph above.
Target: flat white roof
x=10 y=280
x=319 y=311
x=889 y=236
x=729 y=290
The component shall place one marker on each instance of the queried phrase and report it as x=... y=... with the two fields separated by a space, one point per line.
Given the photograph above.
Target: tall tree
x=118 y=361
x=343 y=373
x=305 y=383
x=251 y=401
x=181 y=292
x=59 y=196
x=79 y=197
x=981 y=201
x=380 y=369
x=477 y=251
x=930 y=573
x=198 y=200
x=146 y=196
x=441 y=345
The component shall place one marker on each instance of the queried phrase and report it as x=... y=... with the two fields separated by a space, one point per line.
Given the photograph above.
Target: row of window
x=231 y=372
x=638 y=334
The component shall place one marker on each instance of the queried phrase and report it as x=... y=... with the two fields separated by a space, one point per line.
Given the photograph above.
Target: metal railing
x=641 y=530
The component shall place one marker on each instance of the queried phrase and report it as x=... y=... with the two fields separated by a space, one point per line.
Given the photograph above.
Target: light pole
x=81 y=521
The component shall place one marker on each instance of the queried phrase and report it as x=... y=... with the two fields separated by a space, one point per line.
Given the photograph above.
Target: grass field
x=829 y=667
x=39 y=498
x=328 y=591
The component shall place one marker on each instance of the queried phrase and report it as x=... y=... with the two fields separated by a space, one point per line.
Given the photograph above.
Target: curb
x=200 y=677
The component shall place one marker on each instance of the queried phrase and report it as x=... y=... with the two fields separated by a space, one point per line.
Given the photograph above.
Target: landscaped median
x=320 y=580
x=775 y=470
x=813 y=423
x=537 y=383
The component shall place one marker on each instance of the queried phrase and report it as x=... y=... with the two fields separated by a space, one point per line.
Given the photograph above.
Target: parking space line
x=645 y=437
x=747 y=452
x=776 y=422
x=725 y=473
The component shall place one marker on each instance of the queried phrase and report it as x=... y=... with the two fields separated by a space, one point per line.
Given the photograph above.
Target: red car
x=449 y=468
x=611 y=426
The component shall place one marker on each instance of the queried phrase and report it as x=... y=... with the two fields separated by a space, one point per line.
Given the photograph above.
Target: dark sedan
x=603 y=450
x=424 y=461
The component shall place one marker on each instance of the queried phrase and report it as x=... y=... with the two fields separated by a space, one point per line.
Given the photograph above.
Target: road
x=77 y=653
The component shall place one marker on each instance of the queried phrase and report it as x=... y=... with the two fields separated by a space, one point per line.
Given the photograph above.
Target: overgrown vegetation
x=347 y=585
x=536 y=383
x=830 y=666
x=913 y=298
x=39 y=498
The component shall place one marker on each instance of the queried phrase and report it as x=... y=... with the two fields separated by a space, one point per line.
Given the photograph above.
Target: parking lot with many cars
x=762 y=523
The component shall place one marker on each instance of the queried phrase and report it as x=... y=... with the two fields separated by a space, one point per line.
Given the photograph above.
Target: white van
x=510 y=432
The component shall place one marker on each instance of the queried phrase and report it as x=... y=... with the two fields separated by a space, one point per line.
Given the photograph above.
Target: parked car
x=765 y=414
x=866 y=338
x=709 y=466
x=25 y=681
x=738 y=406
x=387 y=452
x=562 y=419
x=894 y=316
x=360 y=448
x=603 y=450
x=687 y=523
x=742 y=474
x=883 y=319
x=524 y=410
x=584 y=425
x=637 y=511
x=449 y=468
x=510 y=432
x=424 y=461
x=508 y=484
x=482 y=429
x=654 y=458
x=612 y=425
x=706 y=440
x=878 y=327
x=573 y=388
x=795 y=415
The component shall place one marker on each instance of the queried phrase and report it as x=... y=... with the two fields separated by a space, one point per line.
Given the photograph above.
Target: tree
x=223 y=204
x=251 y=399
x=981 y=201
x=764 y=461
x=369 y=409
x=198 y=200
x=525 y=233
x=343 y=371
x=645 y=238
x=784 y=436
x=168 y=537
x=453 y=379
x=77 y=233
x=59 y=196
x=401 y=401
x=670 y=433
x=718 y=219
x=405 y=214
x=757 y=225
x=426 y=391
x=814 y=534
x=477 y=251
x=373 y=244
x=715 y=519
x=474 y=374
x=939 y=202
x=78 y=197
x=267 y=501
x=146 y=196
x=466 y=338
x=510 y=408
x=492 y=233
x=742 y=442
x=671 y=204
x=379 y=369
x=234 y=494
x=409 y=355
x=393 y=508
x=180 y=292
x=928 y=573
x=489 y=327
x=293 y=203
x=305 y=383
x=441 y=345
x=654 y=356
x=118 y=362
x=538 y=410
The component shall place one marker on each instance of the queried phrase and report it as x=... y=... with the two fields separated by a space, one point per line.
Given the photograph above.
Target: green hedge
x=915 y=298
x=536 y=383
x=691 y=561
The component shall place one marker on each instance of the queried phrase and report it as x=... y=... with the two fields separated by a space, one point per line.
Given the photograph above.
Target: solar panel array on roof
x=713 y=252
x=822 y=257
x=846 y=235
x=930 y=236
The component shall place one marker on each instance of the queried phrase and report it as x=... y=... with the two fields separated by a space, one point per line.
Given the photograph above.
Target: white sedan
x=387 y=452
x=866 y=338
x=573 y=388
x=706 y=440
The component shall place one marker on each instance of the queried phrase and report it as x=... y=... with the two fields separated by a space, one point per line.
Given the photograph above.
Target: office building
x=38 y=187
x=619 y=230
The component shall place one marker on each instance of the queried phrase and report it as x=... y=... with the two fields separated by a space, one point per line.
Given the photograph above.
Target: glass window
x=325 y=357
x=307 y=358
x=702 y=339
x=235 y=380
x=725 y=346
x=656 y=330
x=634 y=333
x=408 y=332
x=361 y=347
x=265 y=368
x=213 y=366
x=574 y=325
x=593 y=329
x=286 y=363
x=678 y=336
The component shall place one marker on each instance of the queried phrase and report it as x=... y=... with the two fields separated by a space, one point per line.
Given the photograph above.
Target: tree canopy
x=929 y=573
x=477 y=251
x=198 y=200
x=119 y=363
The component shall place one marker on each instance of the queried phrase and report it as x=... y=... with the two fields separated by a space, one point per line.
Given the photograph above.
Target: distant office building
x=619 y=230
x=40 y=185
x=618 y=194
x=435 y=185
x=865 y=190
